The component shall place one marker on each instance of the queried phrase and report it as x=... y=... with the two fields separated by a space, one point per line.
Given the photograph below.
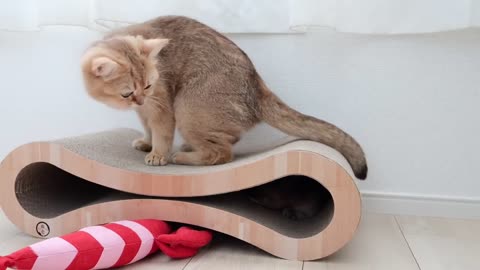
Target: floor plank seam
x=185 y=266
x=406 y=241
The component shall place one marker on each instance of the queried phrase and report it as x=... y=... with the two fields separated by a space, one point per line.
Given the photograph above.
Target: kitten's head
x=122 y=71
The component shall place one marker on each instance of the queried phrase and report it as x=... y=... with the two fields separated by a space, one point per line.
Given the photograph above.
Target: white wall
x=411 y=101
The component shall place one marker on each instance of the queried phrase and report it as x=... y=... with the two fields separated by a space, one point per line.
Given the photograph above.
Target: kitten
x=296 y=197
x=177 y=72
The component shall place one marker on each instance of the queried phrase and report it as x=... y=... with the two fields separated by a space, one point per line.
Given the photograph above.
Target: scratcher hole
x=46 y=191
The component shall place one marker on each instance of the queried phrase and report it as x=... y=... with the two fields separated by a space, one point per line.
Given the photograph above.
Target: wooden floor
x=382 y=242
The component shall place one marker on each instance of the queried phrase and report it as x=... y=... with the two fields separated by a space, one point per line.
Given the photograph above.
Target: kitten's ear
x=104 y=67
x=152 y=47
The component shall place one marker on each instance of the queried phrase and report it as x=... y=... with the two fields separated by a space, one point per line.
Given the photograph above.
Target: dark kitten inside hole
x=296 y=197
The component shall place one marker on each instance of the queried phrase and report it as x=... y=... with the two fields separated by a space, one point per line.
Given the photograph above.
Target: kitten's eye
x=127 y=95
x=148 y=86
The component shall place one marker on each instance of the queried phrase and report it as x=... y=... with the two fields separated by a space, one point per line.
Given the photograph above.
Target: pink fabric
x=145 y=235
x=132 y=241
x=89 y=250
x=53 y=254
x=106 y=246
x=112 y=243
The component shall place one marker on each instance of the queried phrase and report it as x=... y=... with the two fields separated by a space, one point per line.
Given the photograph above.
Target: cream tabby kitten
x=177 y=72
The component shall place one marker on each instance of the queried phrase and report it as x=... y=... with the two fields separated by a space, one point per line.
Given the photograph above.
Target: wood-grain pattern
x=306 y=158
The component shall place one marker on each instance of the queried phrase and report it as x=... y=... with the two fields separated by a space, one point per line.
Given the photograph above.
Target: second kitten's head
x=122 y=71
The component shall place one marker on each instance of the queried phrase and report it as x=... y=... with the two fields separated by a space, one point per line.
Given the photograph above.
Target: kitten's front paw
x=154 y=159
x=142 y=145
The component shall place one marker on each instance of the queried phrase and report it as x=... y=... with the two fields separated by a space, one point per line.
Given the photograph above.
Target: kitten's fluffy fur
x=177 y=72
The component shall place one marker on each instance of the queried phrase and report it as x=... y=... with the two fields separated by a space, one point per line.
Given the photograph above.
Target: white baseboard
x=417 y=205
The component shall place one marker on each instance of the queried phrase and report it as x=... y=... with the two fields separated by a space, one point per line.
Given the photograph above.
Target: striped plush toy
x=110 y=245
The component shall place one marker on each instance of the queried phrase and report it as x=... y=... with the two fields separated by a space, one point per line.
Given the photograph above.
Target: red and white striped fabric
x=106 y=246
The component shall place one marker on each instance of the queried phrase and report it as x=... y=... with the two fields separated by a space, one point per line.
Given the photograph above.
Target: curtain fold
x=250 y=16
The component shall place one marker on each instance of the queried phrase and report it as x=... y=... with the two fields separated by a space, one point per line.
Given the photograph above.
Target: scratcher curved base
x=53 y=188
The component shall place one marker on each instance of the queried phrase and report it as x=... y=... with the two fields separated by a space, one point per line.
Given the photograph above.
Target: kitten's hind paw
x=179 y=157
x=142 y=145
x=154 y=159
x=186 y=148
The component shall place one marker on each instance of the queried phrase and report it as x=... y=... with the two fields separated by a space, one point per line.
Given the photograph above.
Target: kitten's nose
x=137 y=99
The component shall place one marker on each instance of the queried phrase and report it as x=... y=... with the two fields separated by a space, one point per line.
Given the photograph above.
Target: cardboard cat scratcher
x=53 y=188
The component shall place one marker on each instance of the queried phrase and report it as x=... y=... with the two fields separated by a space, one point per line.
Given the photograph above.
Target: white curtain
x=250 y=16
